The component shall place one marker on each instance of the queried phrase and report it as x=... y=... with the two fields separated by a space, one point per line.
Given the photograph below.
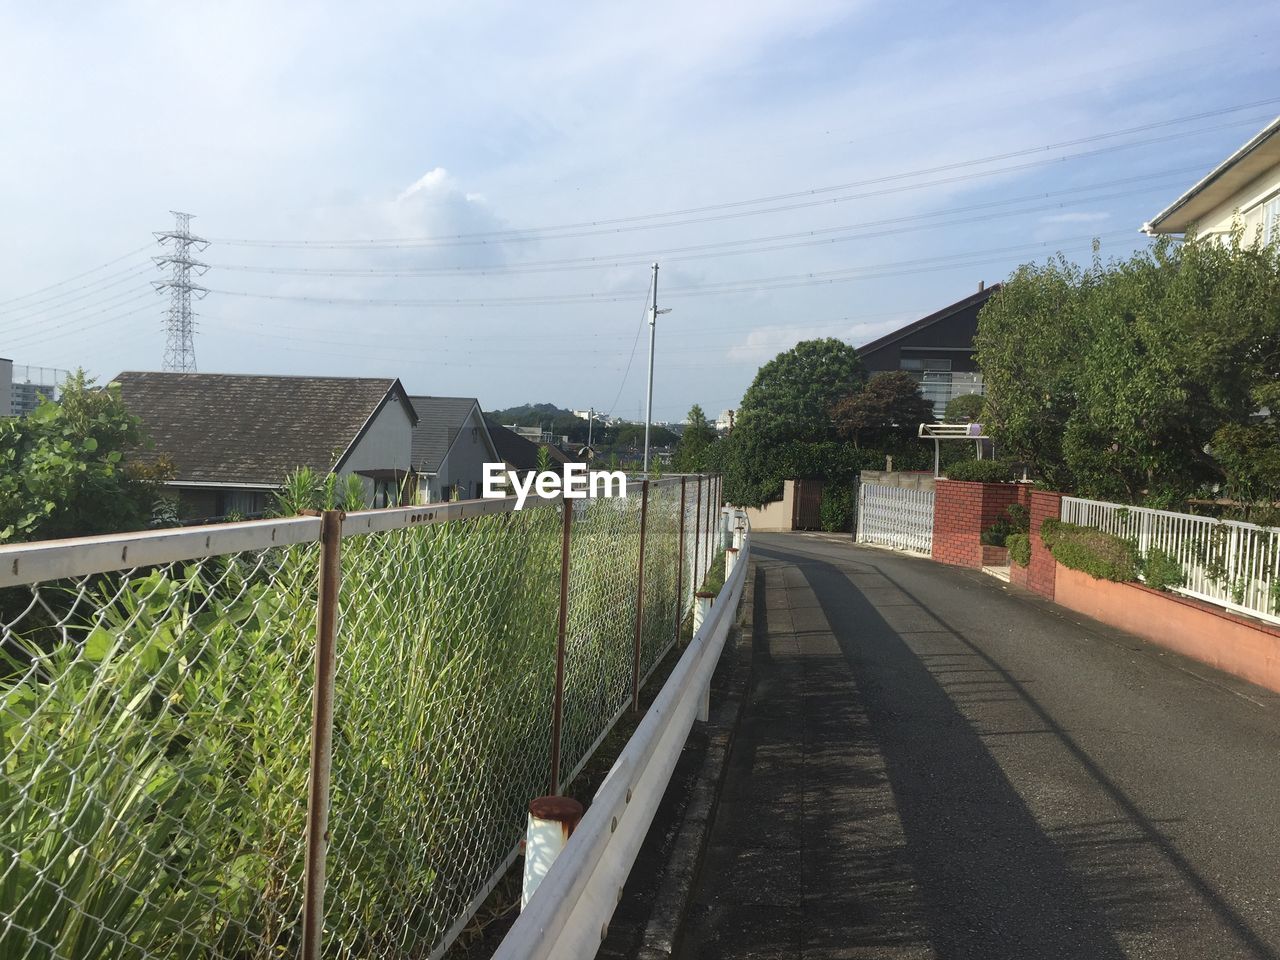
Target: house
x=938 y=350
x=234 y=438
x=451 y=445
x=1243 y=190
x=518 y=452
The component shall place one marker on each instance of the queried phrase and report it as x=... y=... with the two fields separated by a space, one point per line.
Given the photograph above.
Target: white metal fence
x=1233 y=564
x=898 y=517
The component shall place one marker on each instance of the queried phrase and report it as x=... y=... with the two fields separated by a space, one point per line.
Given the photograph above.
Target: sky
x=468 y=195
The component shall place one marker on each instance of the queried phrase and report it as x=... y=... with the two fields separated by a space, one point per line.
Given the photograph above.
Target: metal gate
x=806 y=508
x=898 y=517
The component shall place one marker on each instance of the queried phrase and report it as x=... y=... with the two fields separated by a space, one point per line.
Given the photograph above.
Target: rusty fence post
x=635 y=660
x=557 y=698
x=317 y=836
x=697 y=536
x=680 y=567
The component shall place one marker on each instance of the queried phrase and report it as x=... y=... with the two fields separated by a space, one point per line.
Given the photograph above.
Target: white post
x=701 y=609
x=730 y=561
x=551 y=822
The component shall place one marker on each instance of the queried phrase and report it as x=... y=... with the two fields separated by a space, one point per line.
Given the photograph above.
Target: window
x=1270 y=216
x=920 y=363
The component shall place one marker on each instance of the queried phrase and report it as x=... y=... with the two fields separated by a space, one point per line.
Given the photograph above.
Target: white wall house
x=451 y=445
x=1243 y=190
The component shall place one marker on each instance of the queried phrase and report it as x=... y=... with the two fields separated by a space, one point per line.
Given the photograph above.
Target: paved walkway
x=932 y=766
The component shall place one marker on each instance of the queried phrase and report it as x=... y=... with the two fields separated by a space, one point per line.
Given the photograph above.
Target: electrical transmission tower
x=179 y=347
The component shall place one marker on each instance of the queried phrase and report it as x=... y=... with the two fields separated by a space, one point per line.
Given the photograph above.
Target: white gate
x=898 y=517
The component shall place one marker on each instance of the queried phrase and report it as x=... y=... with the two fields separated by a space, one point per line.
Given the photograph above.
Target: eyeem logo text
x=577 y=483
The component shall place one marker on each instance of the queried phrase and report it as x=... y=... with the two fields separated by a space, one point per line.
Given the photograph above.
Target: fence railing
x=1233 y=564
x=315 y=734
x=898 y=517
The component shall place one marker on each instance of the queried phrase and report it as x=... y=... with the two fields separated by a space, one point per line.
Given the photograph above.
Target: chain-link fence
x=311 y=737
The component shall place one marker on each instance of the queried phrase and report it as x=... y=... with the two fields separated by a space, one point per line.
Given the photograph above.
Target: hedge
x=1090 y=551
x=981 y=471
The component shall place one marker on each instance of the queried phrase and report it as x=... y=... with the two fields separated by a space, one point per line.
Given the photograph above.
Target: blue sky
x=446 y=126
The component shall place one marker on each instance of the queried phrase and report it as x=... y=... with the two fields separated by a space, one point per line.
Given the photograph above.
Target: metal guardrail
x=569 y=914
x=1226 y=562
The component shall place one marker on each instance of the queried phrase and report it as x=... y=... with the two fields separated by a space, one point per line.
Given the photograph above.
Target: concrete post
x=730 y=561
x=701 y=609
x=551 y=822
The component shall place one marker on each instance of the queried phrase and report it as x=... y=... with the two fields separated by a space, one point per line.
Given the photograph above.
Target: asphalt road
x=931 y=764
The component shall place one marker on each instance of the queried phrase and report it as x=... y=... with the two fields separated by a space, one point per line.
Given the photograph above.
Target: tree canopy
x=691 y=454
x=1144 y=380
x=62 y=470
x=885 y=413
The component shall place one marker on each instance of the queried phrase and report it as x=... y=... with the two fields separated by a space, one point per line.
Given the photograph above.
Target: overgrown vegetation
x=1162 y=571
x=1016 y=520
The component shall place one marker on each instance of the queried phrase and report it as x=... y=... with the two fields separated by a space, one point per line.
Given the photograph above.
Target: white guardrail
x=568 y=916
x=1233 y=564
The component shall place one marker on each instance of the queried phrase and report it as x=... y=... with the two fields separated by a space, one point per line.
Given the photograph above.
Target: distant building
x=937 y=350
x=521 y=453
x=6 y=387
x=28 y=384
x=235 y=438
x=1244 y=189
x=724 y=422
x=451 y=445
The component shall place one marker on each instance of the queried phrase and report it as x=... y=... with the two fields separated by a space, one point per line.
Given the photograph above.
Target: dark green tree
x=691 y=454
x=885 y=413
x=966 y=408
x=788 y=405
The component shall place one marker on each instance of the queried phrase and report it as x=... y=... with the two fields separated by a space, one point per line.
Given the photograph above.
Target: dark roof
x=979 y=298
x=521 y=452
x=439 y=421
x=242 y=429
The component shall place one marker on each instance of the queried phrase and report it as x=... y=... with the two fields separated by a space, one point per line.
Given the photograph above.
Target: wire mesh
x=441 y=721
x=155 y=726
x=154 y=759
x=604 y=560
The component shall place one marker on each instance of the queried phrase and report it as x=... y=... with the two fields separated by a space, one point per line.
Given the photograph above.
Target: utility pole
x=653 y=326
x=591 y=422
x=179 y=348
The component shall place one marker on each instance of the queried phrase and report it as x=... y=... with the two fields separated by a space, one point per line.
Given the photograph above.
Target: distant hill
x=531 y=414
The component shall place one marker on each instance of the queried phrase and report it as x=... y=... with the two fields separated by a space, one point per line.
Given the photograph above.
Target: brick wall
x=962 y=510
x=1042 y=572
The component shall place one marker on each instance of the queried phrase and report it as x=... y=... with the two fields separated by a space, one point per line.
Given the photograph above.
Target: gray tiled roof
x=439 y=420
x=232 y=428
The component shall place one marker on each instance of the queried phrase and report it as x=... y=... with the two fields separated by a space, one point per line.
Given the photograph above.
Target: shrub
x=836 y=511
x=1019 y=545
x=1090 y=551
x=1161 y=571
x=981 y=471
x=1016 y=519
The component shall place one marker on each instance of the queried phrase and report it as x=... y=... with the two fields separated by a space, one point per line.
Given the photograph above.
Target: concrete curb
x=670 y=904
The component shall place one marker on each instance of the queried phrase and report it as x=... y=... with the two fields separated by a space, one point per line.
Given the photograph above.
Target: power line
x=731 y=286
x=631 y=358
x=101 y=266
x=743 y=246
x=640 y=221
x=38 y=307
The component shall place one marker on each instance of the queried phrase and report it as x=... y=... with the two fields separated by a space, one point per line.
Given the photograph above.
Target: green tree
x=63 y=472
x=693 y=448
x=886 y=412
x=966 y=408
x=1139 y=380
x=790 y=402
